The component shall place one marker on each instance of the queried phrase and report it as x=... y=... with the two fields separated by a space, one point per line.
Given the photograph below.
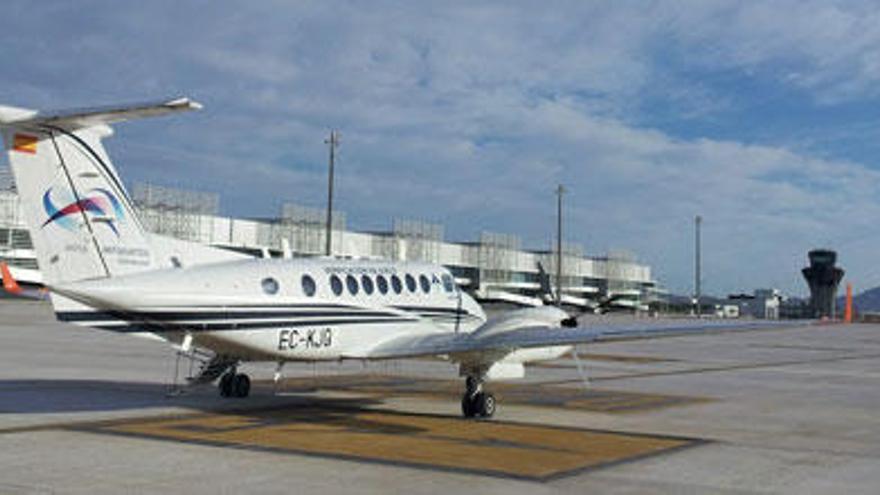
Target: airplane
x=105 y=270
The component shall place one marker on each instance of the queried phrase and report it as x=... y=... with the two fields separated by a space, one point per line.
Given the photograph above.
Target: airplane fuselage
x=281 y=309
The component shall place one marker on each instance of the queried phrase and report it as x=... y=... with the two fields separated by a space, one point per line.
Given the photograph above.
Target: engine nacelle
x=504 y=370
x=537 y=354
x=548 y=316
x=512 y=365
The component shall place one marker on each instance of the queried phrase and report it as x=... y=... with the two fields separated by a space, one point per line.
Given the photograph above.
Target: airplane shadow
x=76 y=396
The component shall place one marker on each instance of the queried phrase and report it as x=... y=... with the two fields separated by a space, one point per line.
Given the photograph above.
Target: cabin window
x=336 y=285
x=270 y=285
x=425 y=283
x=352 y=285
x=448 y=283
x=396 y=284
x=382 y=284
x=308 y=285
x=367 y=284
x=410 y=282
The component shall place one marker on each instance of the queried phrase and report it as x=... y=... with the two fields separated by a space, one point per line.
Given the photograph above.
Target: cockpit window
x=367 y=284
x=410 y=282
x=336 y=285
x=448 y=283
x=425 y=283
x=270 y=285
x=382 y=284
x=352 y=284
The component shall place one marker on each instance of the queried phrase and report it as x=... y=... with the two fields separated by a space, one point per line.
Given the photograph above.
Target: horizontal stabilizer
x=89 y=117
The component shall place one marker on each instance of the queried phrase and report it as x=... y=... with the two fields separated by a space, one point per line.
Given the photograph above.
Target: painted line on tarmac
x=716 y=369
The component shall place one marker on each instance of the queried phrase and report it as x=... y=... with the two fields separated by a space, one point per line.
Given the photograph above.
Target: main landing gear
x=475 y=402
x=234 y=384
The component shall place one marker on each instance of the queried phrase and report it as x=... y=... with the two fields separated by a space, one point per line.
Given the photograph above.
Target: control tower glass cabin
x=823 y=278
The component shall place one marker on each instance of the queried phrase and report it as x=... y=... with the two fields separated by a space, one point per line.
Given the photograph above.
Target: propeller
x=603 y=305
x=570 y=322
x=547 y=296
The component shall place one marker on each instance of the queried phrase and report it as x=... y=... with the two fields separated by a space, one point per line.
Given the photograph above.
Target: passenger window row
x=382 y=284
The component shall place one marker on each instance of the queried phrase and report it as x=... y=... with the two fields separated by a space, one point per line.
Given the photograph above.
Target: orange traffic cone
x=848 y=309
x=9 y=283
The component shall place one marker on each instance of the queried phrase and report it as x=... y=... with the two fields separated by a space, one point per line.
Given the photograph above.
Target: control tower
x=822 y=277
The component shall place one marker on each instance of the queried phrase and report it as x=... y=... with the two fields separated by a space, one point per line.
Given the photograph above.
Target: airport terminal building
x=495 y=269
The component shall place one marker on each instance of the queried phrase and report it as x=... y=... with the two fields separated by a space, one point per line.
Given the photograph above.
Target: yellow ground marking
x=495 y=448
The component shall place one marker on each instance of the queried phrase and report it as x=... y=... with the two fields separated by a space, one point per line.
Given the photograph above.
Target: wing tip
x=184 y=103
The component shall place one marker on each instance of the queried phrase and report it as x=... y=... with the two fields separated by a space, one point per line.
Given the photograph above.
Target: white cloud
x=831 y=49
x=471 y=114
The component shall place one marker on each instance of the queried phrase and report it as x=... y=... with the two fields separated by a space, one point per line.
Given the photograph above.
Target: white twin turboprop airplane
x=106 y=271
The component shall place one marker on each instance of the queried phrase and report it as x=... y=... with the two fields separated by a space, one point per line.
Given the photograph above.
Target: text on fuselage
x=304 y=338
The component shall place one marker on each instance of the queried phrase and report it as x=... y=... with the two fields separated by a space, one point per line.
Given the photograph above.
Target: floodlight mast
x=698 y=220
x=559 y=192
x=333 y=143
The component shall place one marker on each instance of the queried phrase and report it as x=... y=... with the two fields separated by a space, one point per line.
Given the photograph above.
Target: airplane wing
x=544 y=336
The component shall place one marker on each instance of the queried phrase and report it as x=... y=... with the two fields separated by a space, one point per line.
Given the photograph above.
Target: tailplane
x=81 y=219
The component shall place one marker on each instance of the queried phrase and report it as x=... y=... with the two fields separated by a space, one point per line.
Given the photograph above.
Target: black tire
x=241 y=385
x=470 y=385
x=225 y=385
x=467 y=406
x=486 y=405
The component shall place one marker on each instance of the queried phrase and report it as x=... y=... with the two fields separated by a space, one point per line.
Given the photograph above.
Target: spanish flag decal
x=25 y=143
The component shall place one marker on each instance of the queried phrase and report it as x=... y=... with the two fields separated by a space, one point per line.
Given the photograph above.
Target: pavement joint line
x=85 y=425
x=793 y=450
x=713 y=369
x=803 y=347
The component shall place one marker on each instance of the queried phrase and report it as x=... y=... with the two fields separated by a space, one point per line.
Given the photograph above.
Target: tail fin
x=81 y=219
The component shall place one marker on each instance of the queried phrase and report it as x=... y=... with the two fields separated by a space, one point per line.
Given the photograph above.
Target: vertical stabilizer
x=81 y=219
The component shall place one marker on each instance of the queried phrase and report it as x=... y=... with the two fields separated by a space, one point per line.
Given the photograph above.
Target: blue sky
x=760 y=116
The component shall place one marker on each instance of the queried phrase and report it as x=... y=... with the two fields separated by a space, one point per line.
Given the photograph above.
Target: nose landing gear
x=475 y=402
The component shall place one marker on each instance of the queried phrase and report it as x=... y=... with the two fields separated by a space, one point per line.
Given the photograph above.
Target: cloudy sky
x=760 y=116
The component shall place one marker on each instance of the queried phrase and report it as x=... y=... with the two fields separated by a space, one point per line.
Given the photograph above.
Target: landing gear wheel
x=481 y=405
x=485 y=404
x=241 y=385
x=468 y=408
x=234 y=385
x=225 y=385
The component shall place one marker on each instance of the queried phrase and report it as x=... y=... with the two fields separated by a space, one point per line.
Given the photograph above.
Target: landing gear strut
x=475 y=402
x=234 y=384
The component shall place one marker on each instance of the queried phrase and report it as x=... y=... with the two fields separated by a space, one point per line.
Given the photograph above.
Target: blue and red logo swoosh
x=98 y=202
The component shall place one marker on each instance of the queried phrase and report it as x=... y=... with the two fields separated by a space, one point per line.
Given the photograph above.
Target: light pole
x=698 y=220
x=559 y=192
x=333 y=143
